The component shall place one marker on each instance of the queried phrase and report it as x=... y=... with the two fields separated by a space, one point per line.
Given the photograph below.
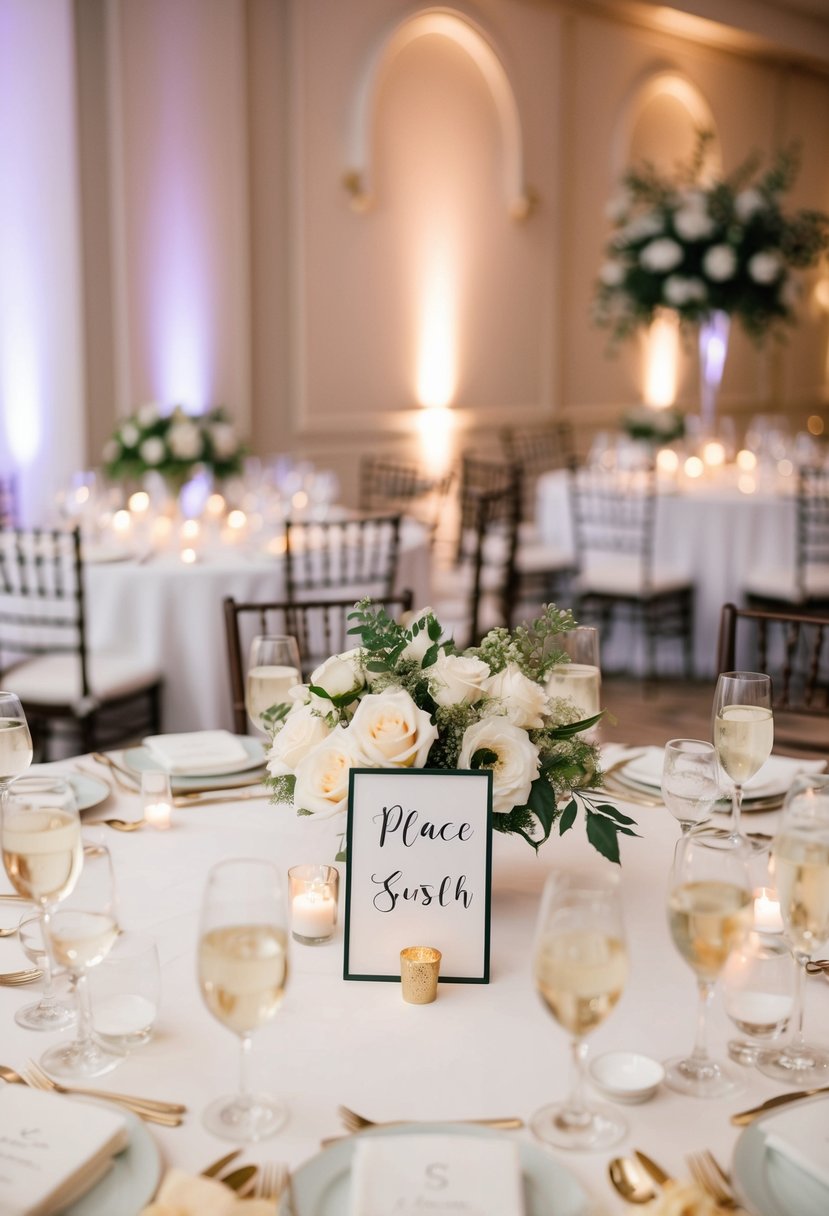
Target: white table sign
x=419 y=871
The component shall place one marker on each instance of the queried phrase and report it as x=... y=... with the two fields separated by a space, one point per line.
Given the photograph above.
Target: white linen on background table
x=479 y=1050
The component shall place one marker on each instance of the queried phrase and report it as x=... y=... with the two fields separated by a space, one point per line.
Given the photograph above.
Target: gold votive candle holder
x=419 y=971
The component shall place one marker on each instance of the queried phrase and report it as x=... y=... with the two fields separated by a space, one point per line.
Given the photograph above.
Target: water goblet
x=50 y=1012
x=243 y=970
x=690 y=781
x=710 y=910
x=273 y=670
x=580 y=969
x=743 y=730
x=800 y=856
x=758 y=984
x=15 y=742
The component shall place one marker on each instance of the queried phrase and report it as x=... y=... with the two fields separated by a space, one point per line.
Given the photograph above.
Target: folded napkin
x=52 y=1149
x=773 y=778
x=181 y=1194
x=200 y=753
x=442 y=1175
x=802 y=1135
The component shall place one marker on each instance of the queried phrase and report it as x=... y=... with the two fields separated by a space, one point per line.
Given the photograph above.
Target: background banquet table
x=170 y=615
x=711 y=531
x=478 y=1051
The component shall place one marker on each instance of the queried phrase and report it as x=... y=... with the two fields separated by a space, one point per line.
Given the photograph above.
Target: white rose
x=129 y=435
x=341 y=674
x=223 y=438
x=185 y=441
x=301 y=730
x=152 y=450
x=516 y=766
x=322 y=776
x=719 y=263
x=661 y=255
x=455 y=679
x=747 y=203
x=764 y=267
x=678 y=290
x=389 y=730
x=693 y=223
x=148 y=413
x=417 y=648
x=612 y=273
x=521 y=700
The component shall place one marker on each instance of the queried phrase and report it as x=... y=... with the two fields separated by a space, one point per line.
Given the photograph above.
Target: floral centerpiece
x=173 y=444
x=656 y=426
x=701 y=246
x=407 y=697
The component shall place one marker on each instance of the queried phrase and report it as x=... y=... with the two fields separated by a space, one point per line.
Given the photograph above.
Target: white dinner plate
x=139 y=760
x=770 y=1181
x=89 y=791
x=321 y=1187
x=773 y=779
x=131 y=1183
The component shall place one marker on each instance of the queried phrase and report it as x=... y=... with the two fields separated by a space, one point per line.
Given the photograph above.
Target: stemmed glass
x=15 y=742
x=800 y=856
x=690 y=781
x=580 y=968
x=273 y=670
x=710 y=911
x=243 y=970
x=81 y=933
x=743 y=731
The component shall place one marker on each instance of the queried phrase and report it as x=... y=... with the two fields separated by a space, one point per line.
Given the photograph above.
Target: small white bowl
x=625 y=1076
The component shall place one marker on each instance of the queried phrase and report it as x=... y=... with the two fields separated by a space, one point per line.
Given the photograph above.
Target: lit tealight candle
x=139 y=502
x=190 y=529
x=694 y=467
x=214 y=508
x=189 y=556
x=767 y=918
x=159 y=815
x=713 y=453
x=121 y=522
x=667 y=460
x=237 y=520
x=313 y=914
x=746 y=460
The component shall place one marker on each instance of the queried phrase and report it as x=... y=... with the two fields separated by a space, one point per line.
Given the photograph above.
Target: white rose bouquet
x=173 y=444
x=699 y=246
x=407 y=698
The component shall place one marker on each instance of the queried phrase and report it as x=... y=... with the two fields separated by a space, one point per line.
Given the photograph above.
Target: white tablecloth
x=477 y=1051
x=714 y=533
x=170 y=616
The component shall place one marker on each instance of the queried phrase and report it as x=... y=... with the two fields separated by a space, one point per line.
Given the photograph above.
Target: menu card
x=802 y=1135
x=52 y=1149
x=441 y=1175
x=200 y=753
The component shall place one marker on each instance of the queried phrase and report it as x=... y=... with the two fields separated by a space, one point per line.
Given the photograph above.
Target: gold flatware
x=744 y=1117
x=206 y=796
x=149 y=1116
x=650 y=1167
x=213 y=1171
x=628 y=1179
x=35 y=1072
x=16 y=899
x=240 y=1180
x=123 y=779
x=707 y=1172
x=9 y=932
x=816 y=965
x=123 y=825
x=15 y=979
x=272 y=1181
x=356 y=1123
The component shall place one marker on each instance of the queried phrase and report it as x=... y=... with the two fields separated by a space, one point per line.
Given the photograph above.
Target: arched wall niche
x=358 y=178
x=659 y=122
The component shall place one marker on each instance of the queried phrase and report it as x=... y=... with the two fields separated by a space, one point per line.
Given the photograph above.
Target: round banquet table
x=711 y=531
x=477 y=1051
x=170 y=616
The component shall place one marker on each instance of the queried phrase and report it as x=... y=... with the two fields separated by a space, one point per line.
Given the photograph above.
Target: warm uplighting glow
x=237 y=520
x=190 y=529
x=188 y=556
x=821 y=294
x=667 y=460
x=785 y=467
x=661 y=361
x=713 y=453
x=746 y=483
x=215 y=506
x=435 y=427
x=815 y=424
x=436 y=358
x=121 y=522
x=139 y=502
x=746 y=460
x=694 y=467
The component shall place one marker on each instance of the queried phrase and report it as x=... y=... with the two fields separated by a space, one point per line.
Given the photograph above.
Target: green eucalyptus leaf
x=568 y=817
x=601 y=832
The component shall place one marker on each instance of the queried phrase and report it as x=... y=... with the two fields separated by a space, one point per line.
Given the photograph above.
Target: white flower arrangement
x=701 y=247
x=173 y=444
x=407 y=698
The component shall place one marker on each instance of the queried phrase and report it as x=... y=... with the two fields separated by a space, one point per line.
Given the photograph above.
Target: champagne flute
x=81 y=933
x=800 y=856
x=690 y=781
x=15 y=741
x=580 y=968
x=243 y=970
x=273 y=670
x=743 y=730
x=710 y=913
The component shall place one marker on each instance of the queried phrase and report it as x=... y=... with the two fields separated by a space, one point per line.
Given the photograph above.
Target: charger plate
x=133 y=1180
x=321 y=1187
x=89 y=791
x=772 y=1183
x=138 y=760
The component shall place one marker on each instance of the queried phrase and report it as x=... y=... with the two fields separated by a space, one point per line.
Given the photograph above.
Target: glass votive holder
x=758 y=984
x=419 y=971
x=125 y=991
x=157 y=798
x=314 y=895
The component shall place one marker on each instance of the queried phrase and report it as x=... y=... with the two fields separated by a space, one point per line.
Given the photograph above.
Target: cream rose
x=660 y=255
x=418 y=646
x=301 y=730
x=388 y=730
x=341 y=674
x=516 y=766
x=185 y=441
x=455 y=679
x=518 y=699
x=322 y=776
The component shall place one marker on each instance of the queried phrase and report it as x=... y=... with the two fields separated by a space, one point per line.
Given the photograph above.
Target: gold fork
x=13 y=979
x=356 y=1123
x=272 y=1180
x=37 y=1077
x=709 y=1174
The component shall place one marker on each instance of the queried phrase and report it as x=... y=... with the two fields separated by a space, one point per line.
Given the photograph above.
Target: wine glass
x=580 y=968
x=743 y=730
x=710 y=911
x=15 y=741
x=690 y=781
x=81 y=932
x=800 y=856
x=758 y=993
x=273 y=670
x=243 y=970
x=50 y=1012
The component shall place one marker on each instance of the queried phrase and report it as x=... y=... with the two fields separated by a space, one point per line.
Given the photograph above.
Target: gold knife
x=655 y=1171
x=743 y=1117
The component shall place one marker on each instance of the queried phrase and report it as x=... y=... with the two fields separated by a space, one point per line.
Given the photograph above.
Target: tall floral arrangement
x=700 y=246
x=407 y=697
x=173 y=444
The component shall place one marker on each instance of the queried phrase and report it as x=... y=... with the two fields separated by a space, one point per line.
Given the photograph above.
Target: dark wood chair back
x=812 y=553
x=614 y=514
x=342 y=558
x=537 y=450
x=8 y=501
x=389 y=485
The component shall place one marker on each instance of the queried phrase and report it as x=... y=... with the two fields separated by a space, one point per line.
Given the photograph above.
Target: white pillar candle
x=313 y=914
x=159 y=814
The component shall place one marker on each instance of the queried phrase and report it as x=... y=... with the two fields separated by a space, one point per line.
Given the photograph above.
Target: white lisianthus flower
x=301 y=730
x=748 y=203
x=112 y=450
x=322 y=776
x=341 y=674
x=223 y=438
x=661 y=255
x=456 y=679
x=612 y=272
x=764 y=267
x=516 y=766
x=185 y=441
x=518 y=699
x=719 y=263
x=152 y=450
x=692 y=222
x=147 y=414
x=390 y=731
x=129 y=435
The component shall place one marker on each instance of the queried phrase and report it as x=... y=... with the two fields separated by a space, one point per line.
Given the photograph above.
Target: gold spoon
x=122 y=825
x=630 y=1181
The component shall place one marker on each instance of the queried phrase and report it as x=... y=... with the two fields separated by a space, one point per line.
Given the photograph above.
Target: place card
x=52 y=1149
x=419 y=847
